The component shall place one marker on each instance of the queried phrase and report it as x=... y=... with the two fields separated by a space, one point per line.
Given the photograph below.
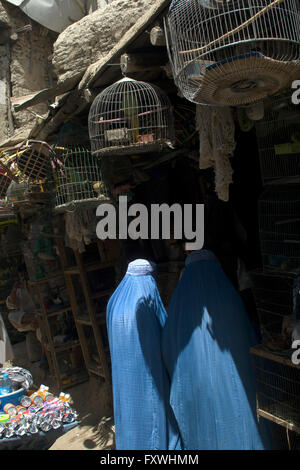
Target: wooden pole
x=236 y=30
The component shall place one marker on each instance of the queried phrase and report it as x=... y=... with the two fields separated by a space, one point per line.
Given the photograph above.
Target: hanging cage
x=130 y=116
x=233 y=52
x=279 y=226
x=78 y=179
x=33 y=160
x=278 y=138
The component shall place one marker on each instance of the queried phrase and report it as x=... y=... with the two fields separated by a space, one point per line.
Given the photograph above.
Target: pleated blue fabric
x=143 y=416
x=206 y=342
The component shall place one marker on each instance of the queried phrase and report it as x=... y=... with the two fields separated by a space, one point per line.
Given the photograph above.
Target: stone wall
x=91 y=38
x=27 y=65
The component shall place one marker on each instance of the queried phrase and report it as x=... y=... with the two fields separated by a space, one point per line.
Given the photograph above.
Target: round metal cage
x=130 y=116
x=233 y=52
x=78 y=179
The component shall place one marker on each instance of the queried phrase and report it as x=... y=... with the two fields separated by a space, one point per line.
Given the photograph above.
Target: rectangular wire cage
x=78 y=179
x=279 y=226
x=278 y=137
x=273 y=294
x=278 y=388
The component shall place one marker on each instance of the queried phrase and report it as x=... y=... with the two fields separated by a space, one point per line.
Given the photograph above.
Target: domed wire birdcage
x=233 y=52
x=78 y=179
x=130 y=116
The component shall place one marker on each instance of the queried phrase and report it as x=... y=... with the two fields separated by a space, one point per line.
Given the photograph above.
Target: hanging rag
x=217 y=144
x=135 y=317
x=206 y=342
x=78 y=229
x=6 y=351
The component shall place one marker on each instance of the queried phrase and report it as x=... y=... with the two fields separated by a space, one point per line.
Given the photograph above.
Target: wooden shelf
x=65 y=347
x=96 y=370
x=56 y=312
x=46 y=279
x=275 y=419
x=89 y=315
x=100 y=318
x=103 y=293
x=260 y=350
x=88 y=268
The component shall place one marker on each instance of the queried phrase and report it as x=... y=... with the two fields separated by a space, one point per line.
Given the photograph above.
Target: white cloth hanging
x=217 y=144
x=6 y=351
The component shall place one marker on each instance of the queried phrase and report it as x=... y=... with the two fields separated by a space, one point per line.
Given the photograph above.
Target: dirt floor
x=92 y=400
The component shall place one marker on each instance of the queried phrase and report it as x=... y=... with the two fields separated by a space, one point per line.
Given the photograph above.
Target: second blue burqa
x=206 y=343
x=135 y=317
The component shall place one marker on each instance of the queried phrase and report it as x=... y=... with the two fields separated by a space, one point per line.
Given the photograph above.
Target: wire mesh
x=274 y=298
x=78 y=179
x=130 y=116
x=278 y=137
x=233 y=52
x=278 y=391
x=279 y=226
x=33 y=160
x=5 y=181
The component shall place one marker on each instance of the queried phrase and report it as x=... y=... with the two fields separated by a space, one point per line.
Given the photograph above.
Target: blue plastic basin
x=13 y=398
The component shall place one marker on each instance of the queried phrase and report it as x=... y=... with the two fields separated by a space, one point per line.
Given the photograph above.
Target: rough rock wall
x=93 y=36
x=4 y=78
x=29 y=66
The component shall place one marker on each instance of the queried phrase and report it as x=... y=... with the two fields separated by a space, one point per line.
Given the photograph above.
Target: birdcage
x=5 y=181
x=273 y=292
x=128 y=117
x=33 y=159
x=278 y=388
x=279 y=226
x=278 y=137
x=17 y=193
x=233 y=52
x=79 y=183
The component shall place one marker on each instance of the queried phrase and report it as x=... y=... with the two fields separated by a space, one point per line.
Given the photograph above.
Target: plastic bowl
x=13 y=398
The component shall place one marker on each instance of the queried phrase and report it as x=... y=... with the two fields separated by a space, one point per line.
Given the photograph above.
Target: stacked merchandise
x=24 y=412
x=279 y=219
x=276 y=285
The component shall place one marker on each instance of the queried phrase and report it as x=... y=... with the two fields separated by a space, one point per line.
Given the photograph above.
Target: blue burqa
x=135 y=317
x=206 y=342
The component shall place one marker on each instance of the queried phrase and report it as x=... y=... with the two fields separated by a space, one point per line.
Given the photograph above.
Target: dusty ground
x=92 y=400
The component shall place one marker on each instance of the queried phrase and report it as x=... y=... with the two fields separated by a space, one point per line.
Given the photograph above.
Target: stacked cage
x=278 y=390
x=29 y=166
x=130 y=117
x=278 y=137
x=233 y=52
x=273 y=293
x=279 y=226
x=276 y=285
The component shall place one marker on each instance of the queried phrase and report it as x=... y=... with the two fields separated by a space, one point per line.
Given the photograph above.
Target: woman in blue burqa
x=135 y=317
x=206 y=343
